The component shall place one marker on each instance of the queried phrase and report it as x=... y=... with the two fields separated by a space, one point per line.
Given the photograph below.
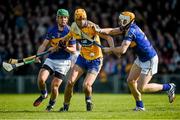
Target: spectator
x=23 y=24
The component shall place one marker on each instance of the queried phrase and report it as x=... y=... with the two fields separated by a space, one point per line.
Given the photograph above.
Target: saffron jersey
x=89 y=51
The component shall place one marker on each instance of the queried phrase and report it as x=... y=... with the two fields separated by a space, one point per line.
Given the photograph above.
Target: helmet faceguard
x=125 y=19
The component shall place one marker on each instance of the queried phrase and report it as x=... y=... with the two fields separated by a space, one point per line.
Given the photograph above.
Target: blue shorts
x=89 y=65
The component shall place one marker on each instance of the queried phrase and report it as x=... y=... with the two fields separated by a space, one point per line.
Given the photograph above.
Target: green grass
x=106 y=106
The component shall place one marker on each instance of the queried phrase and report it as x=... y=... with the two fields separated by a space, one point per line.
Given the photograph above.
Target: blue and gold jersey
x=55 y=33
x=140 y=43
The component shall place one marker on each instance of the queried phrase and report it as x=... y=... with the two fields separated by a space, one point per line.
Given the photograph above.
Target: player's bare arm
x=108 y=38
x=41 y=48
x=110 y=31
x=118 y=50
x=122 y=49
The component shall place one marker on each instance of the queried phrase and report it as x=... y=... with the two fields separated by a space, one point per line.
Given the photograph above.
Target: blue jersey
x=140 y=43
x=61 y=53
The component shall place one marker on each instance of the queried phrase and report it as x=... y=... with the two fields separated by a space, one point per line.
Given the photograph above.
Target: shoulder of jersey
x=91 y=24
x=132 y=27
x=73 y=26
x=52 y=29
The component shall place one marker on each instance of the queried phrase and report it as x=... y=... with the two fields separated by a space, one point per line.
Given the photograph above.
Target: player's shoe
x=65 y=108
x=89 y=106
x=62 y=109
x=139 y=109
x=39 y=100
x=171 y=92
x=49 y=108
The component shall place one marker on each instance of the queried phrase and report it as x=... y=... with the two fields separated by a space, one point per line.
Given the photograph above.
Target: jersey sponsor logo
x=85 y=42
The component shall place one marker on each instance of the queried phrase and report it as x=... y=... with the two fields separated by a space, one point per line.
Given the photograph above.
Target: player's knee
x=55 y=84
x=41 y=79
x=55 y=88
x=131 y=81
x=70 y=83
x=86 y=86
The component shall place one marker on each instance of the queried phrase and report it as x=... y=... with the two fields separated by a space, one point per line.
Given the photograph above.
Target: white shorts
x=148 y=66
x=60 y=66
x=74 y=57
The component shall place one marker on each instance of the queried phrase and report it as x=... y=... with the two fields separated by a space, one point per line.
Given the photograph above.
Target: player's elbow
x=123 y=51
x=110 y=41
x=109 y=38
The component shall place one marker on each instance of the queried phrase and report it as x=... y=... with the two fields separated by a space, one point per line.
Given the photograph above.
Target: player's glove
x=63 y=44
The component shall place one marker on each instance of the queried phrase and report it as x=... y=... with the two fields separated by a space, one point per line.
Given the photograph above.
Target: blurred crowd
x=23 y=23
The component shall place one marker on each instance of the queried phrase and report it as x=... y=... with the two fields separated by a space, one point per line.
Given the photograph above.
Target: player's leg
x=45 y=71
x=61 y=67
x=72 y=78
x=56 y=82
x=145 y=77
x=145 y=86
x=93 y=69
x=42 y=77
x=87 y=87
x=132 y=83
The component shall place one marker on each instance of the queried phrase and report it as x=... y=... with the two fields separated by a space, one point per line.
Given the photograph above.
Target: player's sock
x=139 y=104
x=44 y=93
x=52 y=102
x=88 y=99
x=66 y=106
x=89 y=105
x=166 y=87
x=51 y=105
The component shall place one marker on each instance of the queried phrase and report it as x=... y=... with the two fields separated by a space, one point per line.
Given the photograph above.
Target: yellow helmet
x=80 y=14
x=125 y=18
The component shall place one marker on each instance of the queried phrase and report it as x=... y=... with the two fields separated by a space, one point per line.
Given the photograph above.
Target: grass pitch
x=106 y=106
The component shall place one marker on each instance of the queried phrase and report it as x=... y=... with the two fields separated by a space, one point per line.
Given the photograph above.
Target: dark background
x=23 y=23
